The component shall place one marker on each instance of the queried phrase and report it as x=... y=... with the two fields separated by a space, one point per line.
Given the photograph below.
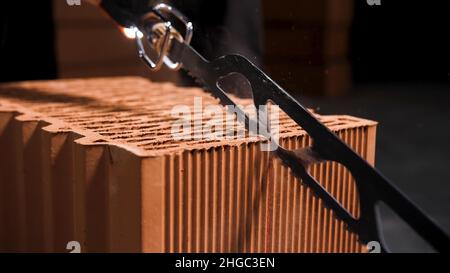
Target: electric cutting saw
x=163 y=35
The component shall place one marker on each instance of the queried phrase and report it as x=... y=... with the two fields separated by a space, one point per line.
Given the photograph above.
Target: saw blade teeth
x=307 y=184
x=203 y=85
x=201 y=68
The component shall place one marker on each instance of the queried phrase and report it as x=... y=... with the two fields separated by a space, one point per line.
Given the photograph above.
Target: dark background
x=401 y=41
x=27 y=50
x=400 y=63
x=400 y=59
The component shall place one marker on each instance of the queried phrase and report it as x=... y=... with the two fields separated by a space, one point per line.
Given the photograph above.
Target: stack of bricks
x=307 y=44
x=94 y=161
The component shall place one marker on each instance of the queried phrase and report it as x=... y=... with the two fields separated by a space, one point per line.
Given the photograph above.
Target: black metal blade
x=371 y=185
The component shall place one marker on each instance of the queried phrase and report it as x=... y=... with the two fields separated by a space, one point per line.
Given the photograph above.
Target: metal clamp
x=160 y=36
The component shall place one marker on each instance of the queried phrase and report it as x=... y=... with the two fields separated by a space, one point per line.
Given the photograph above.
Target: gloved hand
x=126 y=12
x=221 y=26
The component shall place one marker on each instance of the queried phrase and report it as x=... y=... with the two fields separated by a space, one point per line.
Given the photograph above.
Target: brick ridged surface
x=93 y=160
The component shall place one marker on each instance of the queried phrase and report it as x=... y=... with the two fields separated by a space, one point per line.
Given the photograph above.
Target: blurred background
x=388 y=62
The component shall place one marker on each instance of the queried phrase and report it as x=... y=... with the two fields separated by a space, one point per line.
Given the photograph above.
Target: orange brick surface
x=93 y=161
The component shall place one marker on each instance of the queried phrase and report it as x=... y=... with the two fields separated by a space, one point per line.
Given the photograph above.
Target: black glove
x=126 y=12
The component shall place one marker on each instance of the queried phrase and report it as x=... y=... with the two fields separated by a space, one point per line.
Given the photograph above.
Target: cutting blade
x=372 y=186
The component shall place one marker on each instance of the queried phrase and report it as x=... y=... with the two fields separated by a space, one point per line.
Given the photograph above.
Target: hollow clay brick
x=93 y=161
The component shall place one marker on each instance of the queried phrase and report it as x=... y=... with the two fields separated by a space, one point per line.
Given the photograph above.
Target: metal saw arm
x=158 y=25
